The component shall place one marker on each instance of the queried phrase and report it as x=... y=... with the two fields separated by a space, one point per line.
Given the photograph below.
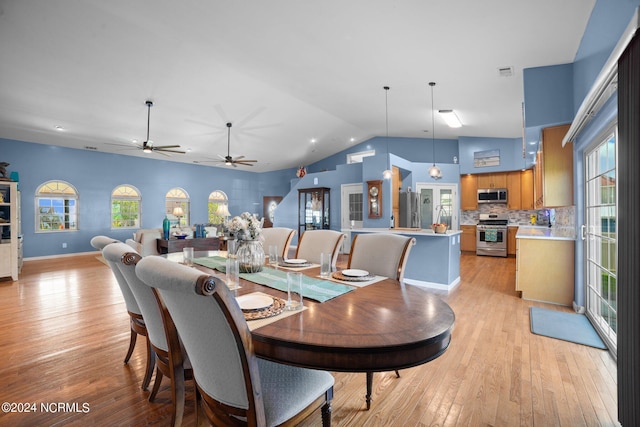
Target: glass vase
x=250 y=256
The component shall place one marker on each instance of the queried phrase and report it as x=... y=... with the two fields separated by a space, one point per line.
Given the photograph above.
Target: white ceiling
x=283 y=72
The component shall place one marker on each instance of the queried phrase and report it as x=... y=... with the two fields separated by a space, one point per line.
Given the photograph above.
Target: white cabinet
x=9 y=230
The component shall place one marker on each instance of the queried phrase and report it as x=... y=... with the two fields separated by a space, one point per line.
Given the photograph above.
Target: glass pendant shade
x=435 y=172
x=387 y=174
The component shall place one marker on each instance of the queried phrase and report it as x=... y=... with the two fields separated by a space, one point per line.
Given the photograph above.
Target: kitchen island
x=434 y=261
x=545 y=264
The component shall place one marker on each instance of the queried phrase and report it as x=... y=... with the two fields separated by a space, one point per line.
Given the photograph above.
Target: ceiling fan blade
x=238 y=158
x=223 y=158
x=169 y=151
x=159 y=147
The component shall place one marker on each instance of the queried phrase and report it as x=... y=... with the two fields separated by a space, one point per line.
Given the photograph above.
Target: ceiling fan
x=230 y=161
x=148 y=147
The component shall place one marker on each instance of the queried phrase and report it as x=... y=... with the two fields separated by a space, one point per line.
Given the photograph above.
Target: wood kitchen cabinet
x=526 y=190
x=514 y=192
x=469 y=192
x=396 y=184
x=492 y=180
x=554 y=169
x=468 y=238
x=545 y=270
x=511 y=240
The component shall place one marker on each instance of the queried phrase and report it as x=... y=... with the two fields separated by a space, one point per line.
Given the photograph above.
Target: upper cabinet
x=469 y=193
x=554 y=170
x=492 y=180
x=514 y=192
x=519 y=185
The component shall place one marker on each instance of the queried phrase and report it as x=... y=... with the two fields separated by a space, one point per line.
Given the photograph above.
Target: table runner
x=315 y=289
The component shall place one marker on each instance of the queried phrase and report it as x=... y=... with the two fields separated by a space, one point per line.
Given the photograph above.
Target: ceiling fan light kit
x=148 y=147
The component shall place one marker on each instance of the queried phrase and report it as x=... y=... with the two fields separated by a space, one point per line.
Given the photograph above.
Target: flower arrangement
x=245 y=227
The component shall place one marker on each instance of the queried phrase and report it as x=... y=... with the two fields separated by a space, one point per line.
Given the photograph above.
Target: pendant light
x=434 y=171
x=388 y=173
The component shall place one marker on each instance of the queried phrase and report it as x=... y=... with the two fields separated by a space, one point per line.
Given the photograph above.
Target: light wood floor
x=65 y=332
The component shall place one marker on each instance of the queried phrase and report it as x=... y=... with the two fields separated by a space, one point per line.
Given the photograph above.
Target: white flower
x=245 y=227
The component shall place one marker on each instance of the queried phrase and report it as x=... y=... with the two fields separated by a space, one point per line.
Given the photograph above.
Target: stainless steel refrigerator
x=409 y=210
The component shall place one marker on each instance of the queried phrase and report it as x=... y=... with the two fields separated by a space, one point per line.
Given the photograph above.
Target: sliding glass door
x=600 y=237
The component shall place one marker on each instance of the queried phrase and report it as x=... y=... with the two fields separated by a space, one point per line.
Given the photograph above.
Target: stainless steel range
x=491 y=235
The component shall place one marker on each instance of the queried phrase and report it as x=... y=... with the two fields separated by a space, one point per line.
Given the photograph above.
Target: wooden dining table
x=384 y=326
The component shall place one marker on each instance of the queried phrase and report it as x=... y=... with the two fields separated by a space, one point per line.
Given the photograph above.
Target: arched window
x=125 y=207
x=56 y=207
x=218 y=207
x=177 y=199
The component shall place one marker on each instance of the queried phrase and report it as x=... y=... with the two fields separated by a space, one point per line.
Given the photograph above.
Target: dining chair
x=234 y=387
x=280 y=237
x=312 y=243
x=136 y=320
x=382 y=254
x=171 y=360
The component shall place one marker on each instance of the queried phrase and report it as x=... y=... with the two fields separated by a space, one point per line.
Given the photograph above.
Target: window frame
x=124 y=197
x=66 y=192
x=212 y=217
x=175 y=197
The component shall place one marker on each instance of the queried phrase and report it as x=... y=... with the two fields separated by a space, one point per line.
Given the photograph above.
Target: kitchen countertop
x=406 y=231
x=548 y=233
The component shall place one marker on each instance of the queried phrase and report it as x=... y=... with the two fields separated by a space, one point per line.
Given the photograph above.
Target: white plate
x=352 y=272
x=254 y=302
x=295 y=261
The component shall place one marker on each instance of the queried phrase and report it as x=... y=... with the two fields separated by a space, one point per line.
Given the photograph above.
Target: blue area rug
x=565 y=326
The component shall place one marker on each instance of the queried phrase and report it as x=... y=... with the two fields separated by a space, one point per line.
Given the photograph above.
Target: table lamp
x=223 y=211
x=179 y=213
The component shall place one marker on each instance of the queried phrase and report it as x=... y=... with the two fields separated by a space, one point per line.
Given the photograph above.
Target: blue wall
x=510 y=154
x=96 y=174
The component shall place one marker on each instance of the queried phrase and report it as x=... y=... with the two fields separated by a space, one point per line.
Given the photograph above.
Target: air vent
x=505 y=71
x=86 y=147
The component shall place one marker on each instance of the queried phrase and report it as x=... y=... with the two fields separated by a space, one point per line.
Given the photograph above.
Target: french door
x=351 y=211
x=600 y=237
x=438 y=204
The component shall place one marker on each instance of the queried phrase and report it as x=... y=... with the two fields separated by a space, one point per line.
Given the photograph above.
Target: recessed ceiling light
x=352 y=139
x=313 y=140
x=58 y=127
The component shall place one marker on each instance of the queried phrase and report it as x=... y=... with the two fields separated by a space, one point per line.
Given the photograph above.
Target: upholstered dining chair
x=136 y=320
x=312 y=243
x=171 y=360
x=234 y=386
x=280 y=237
x=382 y=254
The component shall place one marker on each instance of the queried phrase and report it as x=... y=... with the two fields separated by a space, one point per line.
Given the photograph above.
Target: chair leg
x=397 y=374
x=369 y=387
x=132 y=344
x=156 y=385
x=151 y=362
x=177 y=396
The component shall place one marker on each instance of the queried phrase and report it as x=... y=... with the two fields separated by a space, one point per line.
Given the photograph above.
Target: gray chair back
x=99 y=242
x=113 y=260
x=312 y=243
x=381 y=254
x=143 y=294
x=280 y=237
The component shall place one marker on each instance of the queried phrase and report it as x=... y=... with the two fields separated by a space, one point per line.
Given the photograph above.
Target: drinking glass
x=232 y=248
x=294 y=291
x=273 y=255
x=325 y=264
x=187 y=256
x=232 y=270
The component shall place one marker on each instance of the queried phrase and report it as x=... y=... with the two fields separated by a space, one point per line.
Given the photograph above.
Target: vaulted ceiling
x=299 y=80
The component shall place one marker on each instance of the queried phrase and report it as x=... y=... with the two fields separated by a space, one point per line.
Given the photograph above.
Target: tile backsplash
x=565 y=216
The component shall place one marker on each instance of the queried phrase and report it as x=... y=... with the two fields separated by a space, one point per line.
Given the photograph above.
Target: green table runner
x=315 y=289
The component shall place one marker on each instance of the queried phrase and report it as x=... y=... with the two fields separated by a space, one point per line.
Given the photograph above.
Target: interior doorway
x=438 y=204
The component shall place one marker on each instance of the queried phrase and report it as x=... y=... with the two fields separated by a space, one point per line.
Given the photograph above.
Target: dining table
x=383 y=326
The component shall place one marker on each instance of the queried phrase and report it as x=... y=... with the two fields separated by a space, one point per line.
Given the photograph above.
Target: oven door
x=491 y=241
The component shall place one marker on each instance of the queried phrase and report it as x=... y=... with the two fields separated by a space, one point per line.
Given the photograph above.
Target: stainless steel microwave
x=492 y=195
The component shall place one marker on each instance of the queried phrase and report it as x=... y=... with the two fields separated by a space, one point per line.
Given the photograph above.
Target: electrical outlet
x=64 y=246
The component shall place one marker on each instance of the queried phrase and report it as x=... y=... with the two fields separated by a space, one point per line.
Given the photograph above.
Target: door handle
x=583 y=232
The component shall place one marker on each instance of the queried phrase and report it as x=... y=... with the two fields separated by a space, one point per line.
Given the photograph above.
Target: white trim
x=433 y=285
x=37 y=258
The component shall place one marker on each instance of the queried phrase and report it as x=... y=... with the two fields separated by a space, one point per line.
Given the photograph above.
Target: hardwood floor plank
x=65 y=333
